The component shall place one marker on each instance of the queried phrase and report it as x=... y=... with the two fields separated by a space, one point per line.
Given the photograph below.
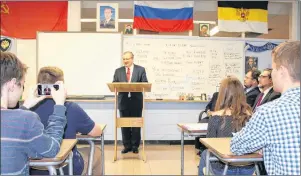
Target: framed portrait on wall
x=251 y=63
x=204 y=30
x=128 y=29
x=107 y=17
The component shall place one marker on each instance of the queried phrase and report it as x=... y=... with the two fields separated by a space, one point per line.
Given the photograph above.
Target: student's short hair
x=287 y=54
x=268 y=70
x=50 y=75
x=255 y=74
x=11 y=67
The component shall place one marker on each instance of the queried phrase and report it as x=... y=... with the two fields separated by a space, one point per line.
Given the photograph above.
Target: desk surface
x=221 y=146
x=194 y=127
x=66 y=146
x=111 y=100
x=103 y=126
x=146 y=100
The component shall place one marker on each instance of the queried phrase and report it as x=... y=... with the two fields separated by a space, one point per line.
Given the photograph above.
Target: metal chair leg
x=52 y=170
x=70 y=160
x=225 y=169
x=103 y=154
x=91 y=156
x=61 y=171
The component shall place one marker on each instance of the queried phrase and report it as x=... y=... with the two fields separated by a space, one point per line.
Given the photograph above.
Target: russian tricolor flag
x=160 y=16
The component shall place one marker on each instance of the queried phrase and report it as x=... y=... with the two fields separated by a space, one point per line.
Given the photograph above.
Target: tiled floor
x=161 y=160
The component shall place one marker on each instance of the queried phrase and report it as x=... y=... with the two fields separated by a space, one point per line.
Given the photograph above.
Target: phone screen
x=45 y=89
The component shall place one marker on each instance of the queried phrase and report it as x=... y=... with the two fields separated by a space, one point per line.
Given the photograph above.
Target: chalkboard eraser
x=159 y=99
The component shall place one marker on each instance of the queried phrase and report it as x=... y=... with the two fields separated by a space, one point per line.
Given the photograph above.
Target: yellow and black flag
x=243 y=16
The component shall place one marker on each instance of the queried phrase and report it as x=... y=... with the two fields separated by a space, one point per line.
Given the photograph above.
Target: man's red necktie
x=259 y=100
x=128 y=75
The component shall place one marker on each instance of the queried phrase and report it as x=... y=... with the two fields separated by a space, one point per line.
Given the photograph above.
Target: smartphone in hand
x=45 y=89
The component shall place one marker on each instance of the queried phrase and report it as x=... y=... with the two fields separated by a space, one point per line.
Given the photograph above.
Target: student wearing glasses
x=266 y=86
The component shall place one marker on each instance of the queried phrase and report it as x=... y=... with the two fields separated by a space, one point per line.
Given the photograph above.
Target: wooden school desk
x=191 y=129
x=220 y=148
x=51 y=163
x=90 y=140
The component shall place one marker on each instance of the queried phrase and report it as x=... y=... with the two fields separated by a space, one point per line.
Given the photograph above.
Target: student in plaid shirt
x=275 y=126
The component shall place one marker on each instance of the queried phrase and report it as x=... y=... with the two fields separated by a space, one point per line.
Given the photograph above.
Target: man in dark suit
x=267 y=92
x=130 y=103
x=251 y=86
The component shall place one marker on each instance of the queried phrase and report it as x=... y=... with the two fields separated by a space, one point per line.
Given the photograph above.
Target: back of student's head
x=232 y=97
x=50 y=75
x=287 y=54
x=11 y=67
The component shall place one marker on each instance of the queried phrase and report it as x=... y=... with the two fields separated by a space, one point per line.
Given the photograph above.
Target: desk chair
x=203 y=118
x=65 y=156
x=91 y=141
x=59 y=167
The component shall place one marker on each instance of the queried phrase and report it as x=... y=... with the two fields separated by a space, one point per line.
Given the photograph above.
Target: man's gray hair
x=129 y=52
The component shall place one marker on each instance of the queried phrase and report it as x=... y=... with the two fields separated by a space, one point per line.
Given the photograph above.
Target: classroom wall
x=27 y=52
x=203 y=11
x=279 y=23
x=26 y=49
x=161 y=118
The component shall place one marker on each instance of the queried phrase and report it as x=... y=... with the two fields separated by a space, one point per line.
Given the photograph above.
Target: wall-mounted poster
x=128 y=29
x=8 y=44
x=204 y=30
x=107 y=17
x=251 y=63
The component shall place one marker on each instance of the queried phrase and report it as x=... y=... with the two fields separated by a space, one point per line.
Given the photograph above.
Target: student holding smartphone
x=77 y=122
x=23 y=136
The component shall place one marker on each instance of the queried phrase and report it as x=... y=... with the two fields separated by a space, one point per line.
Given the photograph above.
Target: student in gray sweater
x=22 y=134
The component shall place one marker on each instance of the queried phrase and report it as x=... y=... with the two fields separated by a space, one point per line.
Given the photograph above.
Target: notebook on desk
x=85 y=97
x=196 y=126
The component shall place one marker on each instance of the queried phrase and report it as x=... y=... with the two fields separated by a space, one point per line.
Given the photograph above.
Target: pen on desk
x=159 y=99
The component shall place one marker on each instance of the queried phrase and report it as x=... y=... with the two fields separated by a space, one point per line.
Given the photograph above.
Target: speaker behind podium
x=129 y=121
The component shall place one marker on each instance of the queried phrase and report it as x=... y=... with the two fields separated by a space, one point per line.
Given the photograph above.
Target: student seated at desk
x=275 y=126
x=230 y=115
x=77 y=122
x=209 y=108
x=22 y=134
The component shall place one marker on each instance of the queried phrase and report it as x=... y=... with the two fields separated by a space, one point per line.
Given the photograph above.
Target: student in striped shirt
x=22 y=134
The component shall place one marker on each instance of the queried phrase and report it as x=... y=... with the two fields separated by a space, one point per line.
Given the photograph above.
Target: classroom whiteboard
x=176 y=65
x=88 y=60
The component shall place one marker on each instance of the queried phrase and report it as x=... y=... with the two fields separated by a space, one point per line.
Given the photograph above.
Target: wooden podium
x=129 y=121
